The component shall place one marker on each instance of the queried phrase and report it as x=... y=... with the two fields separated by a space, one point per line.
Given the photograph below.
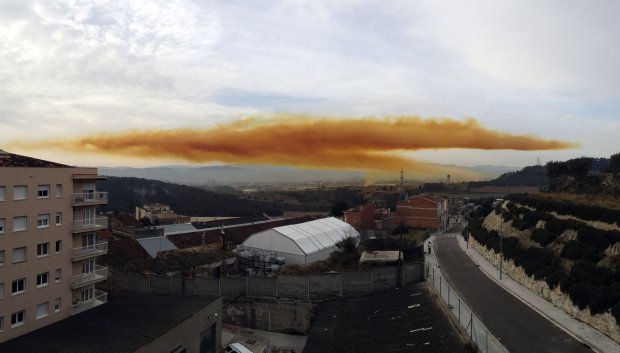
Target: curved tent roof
x=309 y=237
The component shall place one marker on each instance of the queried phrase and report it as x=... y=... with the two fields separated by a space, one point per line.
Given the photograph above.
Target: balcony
x=92 y=224
x=90 y=198
x=89 y=251
x=101 y=297
x=99 y=274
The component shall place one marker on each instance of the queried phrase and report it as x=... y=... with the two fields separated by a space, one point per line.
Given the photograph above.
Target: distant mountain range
x=248 y=174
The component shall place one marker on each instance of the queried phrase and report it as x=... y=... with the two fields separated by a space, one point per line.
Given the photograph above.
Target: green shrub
x=577 y=250
x=581 y=294
x=543 y=237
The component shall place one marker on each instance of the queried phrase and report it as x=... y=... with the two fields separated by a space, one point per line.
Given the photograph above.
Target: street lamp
x=501 y=223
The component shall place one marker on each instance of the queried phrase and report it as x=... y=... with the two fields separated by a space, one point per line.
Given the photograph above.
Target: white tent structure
x=302 y=243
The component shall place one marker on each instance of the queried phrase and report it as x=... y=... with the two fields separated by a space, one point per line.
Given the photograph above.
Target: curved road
x=518 y=327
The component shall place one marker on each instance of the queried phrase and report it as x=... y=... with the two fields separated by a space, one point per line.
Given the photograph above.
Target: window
x=88 y=266
x=1 y=257
x=43 y=220
x=43 y=249
x=18 y=286
x=58 y=190
x=20 y=192
x=58 y=246
x=43 y=191
x=58 y=218
x=2 y=193
x=19 y=254
x=19 y=223
x=42 y=310
x=2 y=222
x=1 y=290
x=88 y=293
x=57 y=305
x=42 y=279
x=58 y=275
x=17 y=319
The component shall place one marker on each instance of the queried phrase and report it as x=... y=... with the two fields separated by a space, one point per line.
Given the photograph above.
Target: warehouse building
x=302 y=243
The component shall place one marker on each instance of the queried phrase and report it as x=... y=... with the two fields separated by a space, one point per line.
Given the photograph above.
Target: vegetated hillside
x=528 y=176
x=604 y=184
x=571 y=246
x=127 y=193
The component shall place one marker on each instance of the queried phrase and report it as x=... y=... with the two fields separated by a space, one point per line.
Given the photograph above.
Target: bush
x=555 y=277
x=581 y=294
x=602 y=300
x=615 y=311
x=600 y=239
x=577 y=250
x=543 y=237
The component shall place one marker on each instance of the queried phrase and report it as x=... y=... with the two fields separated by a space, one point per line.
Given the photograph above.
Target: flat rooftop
x=380 y=256
x=396 y=320
x=120 y=326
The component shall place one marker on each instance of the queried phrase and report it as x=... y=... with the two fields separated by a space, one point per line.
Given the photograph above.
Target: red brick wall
x=418 y=212
x=364 y=219
x=353 y=218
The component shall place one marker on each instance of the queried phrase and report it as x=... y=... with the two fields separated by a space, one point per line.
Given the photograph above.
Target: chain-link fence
x=478 y=333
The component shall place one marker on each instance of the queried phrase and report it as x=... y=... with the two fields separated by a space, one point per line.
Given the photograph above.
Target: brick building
x=422 y=211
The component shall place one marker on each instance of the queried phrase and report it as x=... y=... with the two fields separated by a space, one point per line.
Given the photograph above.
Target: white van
x=239 y=348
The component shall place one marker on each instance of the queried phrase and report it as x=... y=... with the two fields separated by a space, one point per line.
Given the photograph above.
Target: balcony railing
x=100 y=273
x=94 y=197
x=80 y=225
x=101 y=297
x=90 y=250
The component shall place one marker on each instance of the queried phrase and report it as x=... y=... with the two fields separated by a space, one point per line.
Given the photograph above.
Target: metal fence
x=478 y=333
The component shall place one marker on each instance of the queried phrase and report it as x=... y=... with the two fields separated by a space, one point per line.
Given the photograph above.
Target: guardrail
x=90 y=197
x=90 y=250
x=478 y=333
x=100 y=297
x=90 y=224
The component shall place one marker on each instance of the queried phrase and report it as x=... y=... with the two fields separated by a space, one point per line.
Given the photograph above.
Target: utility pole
x=501 y=225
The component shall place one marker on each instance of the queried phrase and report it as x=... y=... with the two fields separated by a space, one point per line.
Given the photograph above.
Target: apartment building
x=48 y=243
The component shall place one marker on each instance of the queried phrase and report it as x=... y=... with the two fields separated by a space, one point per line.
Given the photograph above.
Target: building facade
x=422 y=211
x=48 y=243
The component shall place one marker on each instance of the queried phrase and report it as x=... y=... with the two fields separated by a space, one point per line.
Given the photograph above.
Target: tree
x=339 y=207
x=555 y=169
x=614 y=163
x=579 y=167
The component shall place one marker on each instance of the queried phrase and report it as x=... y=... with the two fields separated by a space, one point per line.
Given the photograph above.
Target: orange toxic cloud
x=369 y=144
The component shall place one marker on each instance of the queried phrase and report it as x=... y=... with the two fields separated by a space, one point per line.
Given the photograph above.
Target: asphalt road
x=518 y=327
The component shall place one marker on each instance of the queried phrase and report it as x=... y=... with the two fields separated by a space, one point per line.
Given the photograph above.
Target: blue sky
x=69 y=68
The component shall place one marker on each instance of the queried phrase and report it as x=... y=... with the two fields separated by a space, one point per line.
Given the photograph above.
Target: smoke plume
x=370 y=144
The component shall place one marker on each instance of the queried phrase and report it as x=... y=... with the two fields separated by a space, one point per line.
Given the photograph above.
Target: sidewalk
x=581 y=331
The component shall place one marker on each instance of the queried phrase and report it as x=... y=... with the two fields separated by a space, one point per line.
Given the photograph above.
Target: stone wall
x=605 y=323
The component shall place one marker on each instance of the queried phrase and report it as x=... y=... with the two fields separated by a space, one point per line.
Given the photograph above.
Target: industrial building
x=302 y=243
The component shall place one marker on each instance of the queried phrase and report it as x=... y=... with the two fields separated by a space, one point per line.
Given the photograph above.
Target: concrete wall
x=283 y=286
x=275 y=316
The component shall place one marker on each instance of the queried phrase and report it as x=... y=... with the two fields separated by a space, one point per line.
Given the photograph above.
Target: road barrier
x=477 y=332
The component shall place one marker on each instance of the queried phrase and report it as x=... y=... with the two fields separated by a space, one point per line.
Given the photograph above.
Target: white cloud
x=84 y=66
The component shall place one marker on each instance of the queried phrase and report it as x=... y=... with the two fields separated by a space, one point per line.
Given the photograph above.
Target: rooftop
x=380 y=256
x=397 y=320
x=15 y=160
x=122 y=325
